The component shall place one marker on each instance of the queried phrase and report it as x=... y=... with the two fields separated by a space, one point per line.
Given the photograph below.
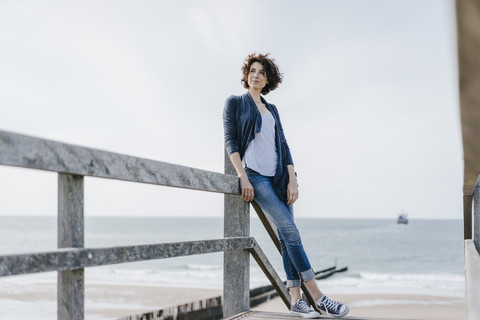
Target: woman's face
x=257 y=77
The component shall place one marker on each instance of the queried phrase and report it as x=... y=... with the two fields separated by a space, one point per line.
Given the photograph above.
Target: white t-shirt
x=261 y=153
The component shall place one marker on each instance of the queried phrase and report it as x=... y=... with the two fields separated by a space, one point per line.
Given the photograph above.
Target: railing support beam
x=236 y=265
x=271 y=274
x=71 y=288
x=272 y=231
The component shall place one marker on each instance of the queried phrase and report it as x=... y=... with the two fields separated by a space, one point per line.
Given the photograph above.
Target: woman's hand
x=292 y=191
x=247 y=189
x=245 y=185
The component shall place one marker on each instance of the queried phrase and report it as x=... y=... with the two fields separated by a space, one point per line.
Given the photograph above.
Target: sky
x=369 y=101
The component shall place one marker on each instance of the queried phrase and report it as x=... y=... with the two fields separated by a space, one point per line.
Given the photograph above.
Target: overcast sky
x=369 y=102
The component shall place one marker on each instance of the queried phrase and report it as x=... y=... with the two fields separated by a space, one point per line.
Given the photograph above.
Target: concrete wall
x=472 y=281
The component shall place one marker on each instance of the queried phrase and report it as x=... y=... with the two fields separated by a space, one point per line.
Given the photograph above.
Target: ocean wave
x=406 y=283
x=211 y=276
x=196 y=277
x=204 y=266
x=412 y=276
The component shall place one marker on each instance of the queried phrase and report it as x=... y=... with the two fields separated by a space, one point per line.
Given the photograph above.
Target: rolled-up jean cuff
x=307 y=275
x=293 y=283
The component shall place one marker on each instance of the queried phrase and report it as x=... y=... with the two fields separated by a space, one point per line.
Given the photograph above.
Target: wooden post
x=236 y=263
x=467 y=216
x=70 y=286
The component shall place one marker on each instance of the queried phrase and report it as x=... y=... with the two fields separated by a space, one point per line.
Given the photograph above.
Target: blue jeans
x=295 y=261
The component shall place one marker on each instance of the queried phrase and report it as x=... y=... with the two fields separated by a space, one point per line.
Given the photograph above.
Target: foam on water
x=448 y=285
x=211 y=277
x=204 y=267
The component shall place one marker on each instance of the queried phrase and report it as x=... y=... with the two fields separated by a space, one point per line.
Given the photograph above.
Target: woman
x=260 y=154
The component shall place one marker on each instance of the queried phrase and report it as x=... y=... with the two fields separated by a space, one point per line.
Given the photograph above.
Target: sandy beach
x=114 y=301
x=137 y=300
x=391 y=306
x=101 y=301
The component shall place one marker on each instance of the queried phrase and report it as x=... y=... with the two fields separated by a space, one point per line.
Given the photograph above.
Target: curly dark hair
x=274 y=77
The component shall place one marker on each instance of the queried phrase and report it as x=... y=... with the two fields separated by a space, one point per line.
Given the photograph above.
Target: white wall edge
x=472 y=281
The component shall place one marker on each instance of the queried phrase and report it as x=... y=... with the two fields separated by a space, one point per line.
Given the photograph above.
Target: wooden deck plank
x=263 y=315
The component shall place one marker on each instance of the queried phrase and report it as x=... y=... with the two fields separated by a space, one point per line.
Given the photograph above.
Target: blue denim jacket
x=241 y=120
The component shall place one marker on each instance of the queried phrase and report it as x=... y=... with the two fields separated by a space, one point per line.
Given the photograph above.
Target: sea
x=422 y=257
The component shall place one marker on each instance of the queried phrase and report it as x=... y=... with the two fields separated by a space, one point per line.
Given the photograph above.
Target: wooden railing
x=73 y=163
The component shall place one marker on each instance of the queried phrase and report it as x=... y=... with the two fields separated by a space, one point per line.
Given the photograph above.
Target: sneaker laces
x=330 y=304
x=304 y=306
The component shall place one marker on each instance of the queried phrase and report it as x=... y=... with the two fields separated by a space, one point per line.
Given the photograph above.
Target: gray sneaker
x=301 y=308
x=332 y=307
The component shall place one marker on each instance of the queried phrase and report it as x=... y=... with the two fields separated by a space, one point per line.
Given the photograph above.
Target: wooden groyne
x=206 y=309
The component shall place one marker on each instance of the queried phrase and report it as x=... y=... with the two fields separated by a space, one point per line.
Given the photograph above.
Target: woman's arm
x=292 y=188
x=246 y=186
x=230 y=130
x=230 y=125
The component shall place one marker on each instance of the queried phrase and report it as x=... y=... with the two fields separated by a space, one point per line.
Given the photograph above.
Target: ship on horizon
x=402 y=218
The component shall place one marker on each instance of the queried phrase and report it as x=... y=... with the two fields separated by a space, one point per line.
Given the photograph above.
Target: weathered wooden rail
x=73 y=163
